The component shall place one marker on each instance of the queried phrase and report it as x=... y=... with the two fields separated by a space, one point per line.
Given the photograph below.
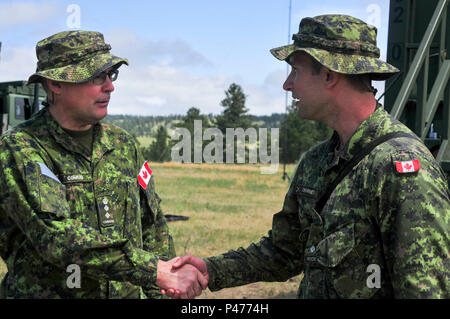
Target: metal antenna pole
x=286 y=100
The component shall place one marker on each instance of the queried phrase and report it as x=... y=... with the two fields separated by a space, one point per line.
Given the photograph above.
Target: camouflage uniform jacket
x=60 y=205
x=377 y=224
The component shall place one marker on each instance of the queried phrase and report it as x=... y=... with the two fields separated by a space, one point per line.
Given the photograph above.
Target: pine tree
x=235 y=113
x=159 y=149
x=188 y=121
x=233 y=116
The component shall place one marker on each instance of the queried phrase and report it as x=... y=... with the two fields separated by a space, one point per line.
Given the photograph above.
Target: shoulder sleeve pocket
x=53 y=197
x=48 y=193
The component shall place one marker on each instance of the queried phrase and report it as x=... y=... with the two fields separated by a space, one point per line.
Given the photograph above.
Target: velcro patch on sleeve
x=144 y=175
x=411 y=166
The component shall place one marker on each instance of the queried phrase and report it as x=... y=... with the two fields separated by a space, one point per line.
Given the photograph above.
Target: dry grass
x=228 y=206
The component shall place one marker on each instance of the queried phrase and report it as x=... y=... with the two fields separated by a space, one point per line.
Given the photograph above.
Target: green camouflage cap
x=73 y=56
x=341 y=43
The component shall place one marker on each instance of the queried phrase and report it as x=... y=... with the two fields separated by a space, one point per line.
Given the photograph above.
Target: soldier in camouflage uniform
x=76 y=194
x=384 y=230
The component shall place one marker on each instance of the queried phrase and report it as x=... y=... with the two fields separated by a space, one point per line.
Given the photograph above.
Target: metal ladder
x=428 y=104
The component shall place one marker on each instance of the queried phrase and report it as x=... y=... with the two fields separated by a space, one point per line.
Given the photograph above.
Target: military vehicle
x=418 y=45
x=18 y=102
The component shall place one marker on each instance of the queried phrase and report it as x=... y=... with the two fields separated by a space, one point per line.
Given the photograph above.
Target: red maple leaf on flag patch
x=144 y=175
x=408 y=166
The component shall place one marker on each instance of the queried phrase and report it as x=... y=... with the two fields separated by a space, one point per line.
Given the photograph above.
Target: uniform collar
x=377 y=124
x=102 y=143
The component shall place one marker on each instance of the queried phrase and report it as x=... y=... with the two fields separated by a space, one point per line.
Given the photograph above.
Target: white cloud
x=161 y=89
x=262 y=100
x=163 y=79
x=18 y=13
x=275 y=79
x=17 y=63
x=164 y=89
x=138 y=50
x=155 y=87
x=151 y=100
x=268 y=97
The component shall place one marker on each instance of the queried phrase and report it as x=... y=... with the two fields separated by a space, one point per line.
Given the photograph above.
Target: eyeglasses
x=101 y=78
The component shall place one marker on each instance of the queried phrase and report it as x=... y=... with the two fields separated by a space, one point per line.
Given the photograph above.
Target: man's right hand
x=186 y=281
x=184 y=261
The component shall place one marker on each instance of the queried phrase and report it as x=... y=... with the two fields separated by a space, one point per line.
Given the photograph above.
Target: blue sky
x=182 y=53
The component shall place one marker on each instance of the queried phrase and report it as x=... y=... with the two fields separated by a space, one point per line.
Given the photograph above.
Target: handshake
x=182 y=277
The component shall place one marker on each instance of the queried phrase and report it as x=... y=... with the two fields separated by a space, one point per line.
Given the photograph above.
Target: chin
x=101 y=114
x=303 y=115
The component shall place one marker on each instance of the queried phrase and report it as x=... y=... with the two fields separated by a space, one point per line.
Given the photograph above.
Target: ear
x=330 y=78
x=54 y=86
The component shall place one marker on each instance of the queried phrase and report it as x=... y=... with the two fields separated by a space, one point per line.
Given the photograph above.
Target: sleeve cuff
x=145 y=265
x=215 y=280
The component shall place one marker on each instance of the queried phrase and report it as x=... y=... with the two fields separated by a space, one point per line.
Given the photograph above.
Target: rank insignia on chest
x=106 y=212
x=144 y=175
x=407 y=166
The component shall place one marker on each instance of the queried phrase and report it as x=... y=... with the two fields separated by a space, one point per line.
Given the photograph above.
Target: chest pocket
x=334 y=248
x=333 y=266
x=343 y=268
x=80 y=198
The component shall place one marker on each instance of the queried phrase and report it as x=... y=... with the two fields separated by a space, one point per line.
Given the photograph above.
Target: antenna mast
x=285 y=175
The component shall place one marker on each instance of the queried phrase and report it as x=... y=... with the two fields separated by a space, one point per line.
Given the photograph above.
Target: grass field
x=228 y=206
x=145 y=141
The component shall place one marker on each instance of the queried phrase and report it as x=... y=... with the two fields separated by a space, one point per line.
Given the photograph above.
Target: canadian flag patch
x=407 y=166
x=144 y=175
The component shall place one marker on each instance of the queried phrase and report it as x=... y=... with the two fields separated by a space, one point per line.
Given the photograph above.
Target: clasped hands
x=182 y=277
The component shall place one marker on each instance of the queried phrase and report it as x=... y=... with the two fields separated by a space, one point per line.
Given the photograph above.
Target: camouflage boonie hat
x=73 y=56
x=341 y=43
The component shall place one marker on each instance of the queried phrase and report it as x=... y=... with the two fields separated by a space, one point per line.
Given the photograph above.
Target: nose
x=287 y=85
x=108 y=86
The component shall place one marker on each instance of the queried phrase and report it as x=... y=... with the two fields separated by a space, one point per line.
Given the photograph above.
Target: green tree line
x=295 y=135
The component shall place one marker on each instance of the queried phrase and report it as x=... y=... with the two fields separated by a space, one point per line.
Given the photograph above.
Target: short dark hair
x=315 y=66
x=361 y=82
